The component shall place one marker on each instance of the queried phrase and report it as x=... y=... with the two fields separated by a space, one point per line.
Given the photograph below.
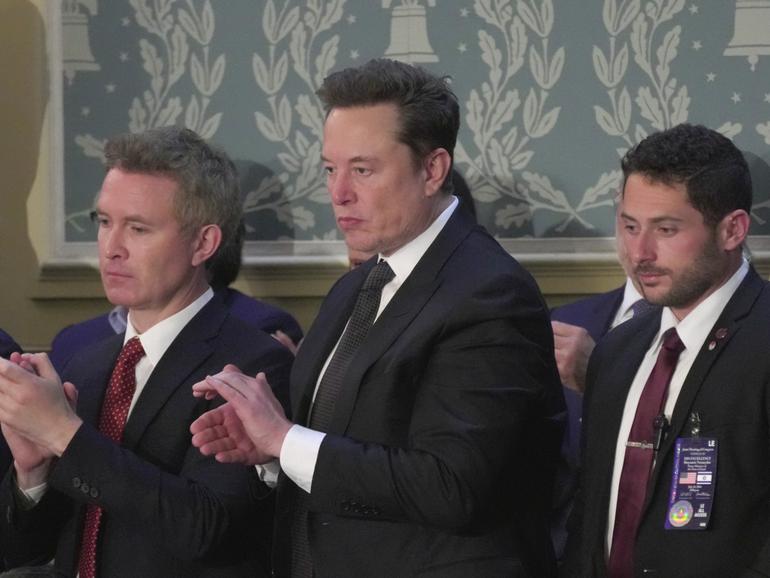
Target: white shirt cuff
x=299 y=454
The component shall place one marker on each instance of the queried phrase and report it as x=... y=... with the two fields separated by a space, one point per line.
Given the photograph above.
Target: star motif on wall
x=109 y=88
x=711 y=77
x=464 y=12
x=354 y=55
x=696 y=45
x=462 y=47
x=85 y=111
x=767 y=97
x=736 y=97
x=351 y=19
x=125 y=21
x=123 y=56
x=693 y=8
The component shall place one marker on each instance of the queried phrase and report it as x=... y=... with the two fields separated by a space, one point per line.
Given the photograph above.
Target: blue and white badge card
x=692 y=484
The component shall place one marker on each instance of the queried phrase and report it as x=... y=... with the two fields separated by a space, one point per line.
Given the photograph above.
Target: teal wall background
x=552 y=93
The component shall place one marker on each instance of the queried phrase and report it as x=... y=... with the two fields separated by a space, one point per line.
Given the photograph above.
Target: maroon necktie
x=112 y=420
x=640 y=451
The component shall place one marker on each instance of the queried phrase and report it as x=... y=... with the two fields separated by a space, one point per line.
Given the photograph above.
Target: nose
x=340 y=188
x=111 y=245
x=641 y=248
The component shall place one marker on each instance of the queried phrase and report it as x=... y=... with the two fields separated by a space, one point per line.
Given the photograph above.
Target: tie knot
x=671 y=341
x=132 y=351
x=380 y=275
x=642 y=307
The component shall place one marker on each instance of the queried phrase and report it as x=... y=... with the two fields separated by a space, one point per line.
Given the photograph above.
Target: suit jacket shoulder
x=7 y=345
x=67 y=342
x=594 y=313
x=265 y=316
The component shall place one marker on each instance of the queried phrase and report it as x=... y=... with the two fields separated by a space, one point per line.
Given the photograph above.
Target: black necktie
x=361 y=320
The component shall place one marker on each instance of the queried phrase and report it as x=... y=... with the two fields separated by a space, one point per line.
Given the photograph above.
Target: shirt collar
x=696 y=326
x=630 y=296
x=405 y=259
x=157 y=339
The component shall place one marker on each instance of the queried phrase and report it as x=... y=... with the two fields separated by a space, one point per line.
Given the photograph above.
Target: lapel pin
x=712 y=345
x=721 y=333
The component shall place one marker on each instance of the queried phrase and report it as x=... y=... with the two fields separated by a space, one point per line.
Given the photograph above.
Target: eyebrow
x=624 y=215
x=356 y=159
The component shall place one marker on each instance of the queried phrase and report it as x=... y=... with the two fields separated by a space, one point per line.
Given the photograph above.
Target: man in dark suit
x=676 y=472
x=434 y=453
x=111 y=497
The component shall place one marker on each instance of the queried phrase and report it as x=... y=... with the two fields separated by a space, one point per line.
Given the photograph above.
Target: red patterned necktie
x=112 y=420
x=637 y=465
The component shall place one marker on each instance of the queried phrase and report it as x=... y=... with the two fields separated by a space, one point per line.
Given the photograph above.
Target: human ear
x=437 y=165
x=206 y=242
x=733 y=229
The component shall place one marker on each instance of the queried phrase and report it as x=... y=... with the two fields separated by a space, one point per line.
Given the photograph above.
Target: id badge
x=692 y=484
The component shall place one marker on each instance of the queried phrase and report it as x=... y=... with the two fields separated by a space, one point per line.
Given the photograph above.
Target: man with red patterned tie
x=116 y=489
x=676 y=470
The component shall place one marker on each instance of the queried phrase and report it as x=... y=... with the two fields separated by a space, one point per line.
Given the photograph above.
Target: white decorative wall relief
x=552 y=93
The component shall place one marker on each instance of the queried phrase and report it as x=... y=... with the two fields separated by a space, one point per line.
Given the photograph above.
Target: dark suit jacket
x=168 y=510
x=441 y=451
x=261 y=315
x=729 y=386
x=595 y=315
x=7 y=345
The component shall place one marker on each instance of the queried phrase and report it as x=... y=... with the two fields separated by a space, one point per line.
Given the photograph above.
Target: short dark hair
x=209 y=190
x=714 y=172
x=428 y=109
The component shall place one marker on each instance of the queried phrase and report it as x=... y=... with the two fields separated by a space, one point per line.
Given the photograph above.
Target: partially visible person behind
x=577 y=327
x=675 y=472
x=7 y=345
x=115 y=488
x=426 y=398
x=224 y=269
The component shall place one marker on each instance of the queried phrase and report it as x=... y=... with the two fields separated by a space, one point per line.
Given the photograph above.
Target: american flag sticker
x=688 y=478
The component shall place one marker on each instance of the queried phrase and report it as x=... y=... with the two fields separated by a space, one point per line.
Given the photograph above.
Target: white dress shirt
x=624 y=312
x=693 y=331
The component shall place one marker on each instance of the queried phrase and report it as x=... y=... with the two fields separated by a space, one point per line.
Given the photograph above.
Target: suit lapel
x=399 y=313
x=94 y=386
x=604 y=313
x=728 y=324
x=187 y=352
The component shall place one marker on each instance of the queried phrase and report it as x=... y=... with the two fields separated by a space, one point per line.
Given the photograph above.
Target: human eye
x=99 y=219
x=328 y=170
x=667 y=230
x=138 y=229
x=630 y=228
x=362 y=171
